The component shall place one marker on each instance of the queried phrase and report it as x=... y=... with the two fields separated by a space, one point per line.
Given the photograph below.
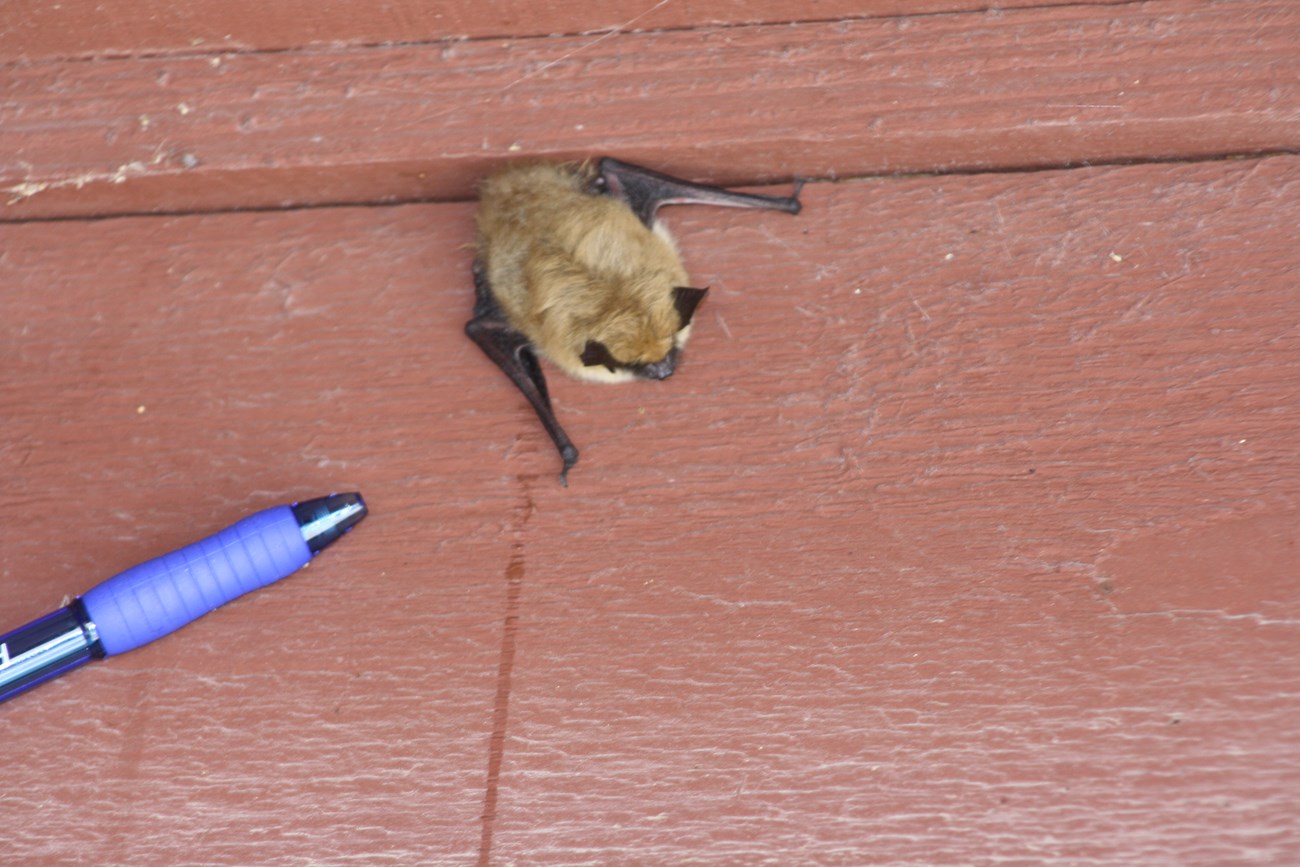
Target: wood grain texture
x=87 y=29
x=964 y=535
x=1030 y=87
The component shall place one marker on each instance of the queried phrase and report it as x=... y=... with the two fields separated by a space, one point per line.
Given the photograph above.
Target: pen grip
x=150 y=600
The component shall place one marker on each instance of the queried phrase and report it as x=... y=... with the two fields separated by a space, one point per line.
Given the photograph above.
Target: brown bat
x=572 y=265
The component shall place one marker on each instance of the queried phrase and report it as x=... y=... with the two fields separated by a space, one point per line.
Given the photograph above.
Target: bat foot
x=796 y=205
x=569 y=454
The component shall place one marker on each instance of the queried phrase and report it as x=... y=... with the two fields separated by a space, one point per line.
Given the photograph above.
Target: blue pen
x=150 y=600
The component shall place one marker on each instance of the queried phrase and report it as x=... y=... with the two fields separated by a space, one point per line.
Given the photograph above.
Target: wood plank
x=1176 y=79
x=269 y=716
x=990 y=557
x=84 y=29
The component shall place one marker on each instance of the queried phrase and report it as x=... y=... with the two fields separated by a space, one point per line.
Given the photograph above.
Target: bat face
x=572 y=265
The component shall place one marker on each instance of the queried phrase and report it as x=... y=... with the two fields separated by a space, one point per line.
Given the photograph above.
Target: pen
x=150 y=600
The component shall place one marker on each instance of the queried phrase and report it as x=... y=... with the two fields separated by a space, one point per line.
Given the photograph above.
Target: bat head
x=647 y=346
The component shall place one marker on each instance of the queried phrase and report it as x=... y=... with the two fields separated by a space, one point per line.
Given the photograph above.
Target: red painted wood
x=1032 y=87
x=36 y=30
x=965 y=533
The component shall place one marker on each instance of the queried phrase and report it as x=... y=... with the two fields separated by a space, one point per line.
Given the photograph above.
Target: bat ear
x=595 y=353
x=686 y=299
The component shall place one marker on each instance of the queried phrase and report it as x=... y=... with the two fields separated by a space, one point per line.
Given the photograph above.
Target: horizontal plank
x=1173 y=79
x=84 y=29
x=965 y=533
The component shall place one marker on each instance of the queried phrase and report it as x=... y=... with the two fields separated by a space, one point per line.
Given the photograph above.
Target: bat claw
x=570 y=456
x=797 y=205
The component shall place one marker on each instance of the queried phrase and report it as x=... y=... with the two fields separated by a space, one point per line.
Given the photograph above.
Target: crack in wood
x=505 y=669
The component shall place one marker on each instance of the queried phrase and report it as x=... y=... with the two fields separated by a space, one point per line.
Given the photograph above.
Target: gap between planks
x=1234 y=156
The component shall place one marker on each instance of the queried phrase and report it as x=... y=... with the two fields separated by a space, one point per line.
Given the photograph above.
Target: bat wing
x=645 y=191
x=512 y=351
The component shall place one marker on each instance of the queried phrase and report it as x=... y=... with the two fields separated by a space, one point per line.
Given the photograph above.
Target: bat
x=571 y=265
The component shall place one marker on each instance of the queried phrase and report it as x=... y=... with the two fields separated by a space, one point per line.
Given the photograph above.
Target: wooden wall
x=966 y=533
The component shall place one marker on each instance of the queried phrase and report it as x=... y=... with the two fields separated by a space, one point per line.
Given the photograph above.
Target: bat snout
x=660 y=369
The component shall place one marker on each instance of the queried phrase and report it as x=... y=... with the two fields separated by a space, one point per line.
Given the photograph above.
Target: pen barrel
x=150 y=600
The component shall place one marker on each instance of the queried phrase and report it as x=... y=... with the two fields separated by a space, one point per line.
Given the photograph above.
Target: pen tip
x=325 y=519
